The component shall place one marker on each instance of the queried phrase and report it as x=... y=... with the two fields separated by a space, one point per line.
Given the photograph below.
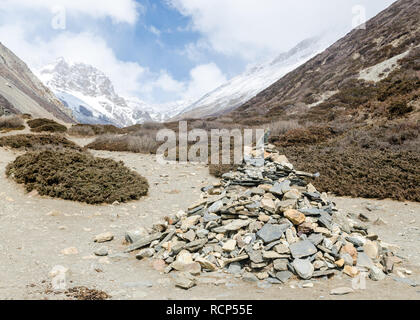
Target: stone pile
x=263 y=223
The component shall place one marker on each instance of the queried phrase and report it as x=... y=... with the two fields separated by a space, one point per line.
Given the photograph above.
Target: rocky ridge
x=263 y=223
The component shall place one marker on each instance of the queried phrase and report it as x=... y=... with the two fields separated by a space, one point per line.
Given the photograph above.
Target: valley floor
x=34 y=230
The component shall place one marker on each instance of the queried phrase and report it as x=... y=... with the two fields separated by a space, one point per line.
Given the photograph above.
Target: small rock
x=376 y=274
x=295 y=216
x=341 y=291
x=229 y=245
x=145 y=253
x=302 y=249
x=280 y=264
x=351 y=271
x=184 y=282
x=104 y=237
x=70 y=251
x=101 y=252
x=303 y=268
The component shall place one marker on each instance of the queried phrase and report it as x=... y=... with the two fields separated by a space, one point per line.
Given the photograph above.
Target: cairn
x=264 y=223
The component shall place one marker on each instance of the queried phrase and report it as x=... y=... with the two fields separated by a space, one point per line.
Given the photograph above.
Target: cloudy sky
x=167 y=50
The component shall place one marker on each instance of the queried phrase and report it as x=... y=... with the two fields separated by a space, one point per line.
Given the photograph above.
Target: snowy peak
x=240 y=89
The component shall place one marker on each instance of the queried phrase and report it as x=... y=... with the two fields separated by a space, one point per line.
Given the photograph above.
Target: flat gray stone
x=272 y=232
x=303 y=268
x=284 y=276
x=341 y=291
x=302 y=249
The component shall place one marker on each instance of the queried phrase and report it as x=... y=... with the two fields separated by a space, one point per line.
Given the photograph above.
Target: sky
x=167 y=50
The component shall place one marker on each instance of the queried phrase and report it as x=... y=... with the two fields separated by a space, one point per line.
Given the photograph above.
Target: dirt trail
x=34 y=230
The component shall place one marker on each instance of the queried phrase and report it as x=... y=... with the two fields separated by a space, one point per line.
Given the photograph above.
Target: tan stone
x=351 y=271
x=104 y=237
x=339 y=263
x=295 y=216
x=268 y=205
x=229 y=245
x=263 y=218
x=351 y=250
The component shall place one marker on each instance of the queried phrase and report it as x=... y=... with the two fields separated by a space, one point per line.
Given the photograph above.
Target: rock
x=205 y=264
x=282 y=249
x=293 y=194
x=215 y=207
x=101 y=252
x=70 y=251
x=280 y=188
x=295 y=216
x=249 y=277
x=235 y=268
x=371 y=249
x=308 y=285
x=270 y=255
x=135 y=235
x=280 y=264
x=376 y=274
x=340 y=263
x=190 y=222
x=229 y=245
x=236 y=225
x=351 y=250
x=348 y=260
x=185 y=257
x=341 y=291
x=190 y=236
x=271 y=232
x=144 y=242
x=302 y=249
x=284 y=276
x=351 y=271
x=183 y=282
x=145 y=253
x=193 y=268
x=357 y=242
x=364 y=261
x=268 y=205
x=290 y=237
x=303 y=268
x=316 y=238
x=104 y=237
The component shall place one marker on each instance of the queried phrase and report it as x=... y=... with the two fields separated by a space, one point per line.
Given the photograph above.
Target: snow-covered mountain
x=247 y=85
x=91 y=96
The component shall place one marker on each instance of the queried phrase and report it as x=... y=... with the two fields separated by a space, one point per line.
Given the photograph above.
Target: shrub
x=9 y=123
x=37 y=142
x=281 y=127
x=71 y=175
x=127 y=143
x=89 y=130
x=46 y=125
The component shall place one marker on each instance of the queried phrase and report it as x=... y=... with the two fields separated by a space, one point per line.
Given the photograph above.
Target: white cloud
x=121 y=11
x=203 y=79
x=83 y=47
x=254 y=28
x=155 y=30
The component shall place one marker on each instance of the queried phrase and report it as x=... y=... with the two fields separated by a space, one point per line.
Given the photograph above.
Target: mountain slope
x=22 y=92
x=245 y=86
x=317 y=87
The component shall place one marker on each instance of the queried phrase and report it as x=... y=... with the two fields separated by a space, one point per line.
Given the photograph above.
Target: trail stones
x=280 y=264
x=184 y=281
x=229 y=245
x=101 y=251
x=302 y=249
x=376 y=274
x=268 y=205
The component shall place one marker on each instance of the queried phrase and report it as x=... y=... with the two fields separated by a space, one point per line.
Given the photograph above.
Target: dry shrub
x=125 y=143
x=359 y=172
x=304 y=136
x=281 y=127
x=37 y=142
x=9 y=123
x=94 y=129
x=72 y=175
x=81 y=131
x=46 y=125
x=86 y=294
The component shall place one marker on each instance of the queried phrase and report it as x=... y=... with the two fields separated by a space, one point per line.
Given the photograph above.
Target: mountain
x=22 y=92
x=247 y=85
x=90 y=95
x=366 y=71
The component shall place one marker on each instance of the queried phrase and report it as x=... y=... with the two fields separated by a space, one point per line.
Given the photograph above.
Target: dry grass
x=37 y=142
x=72 y=175
x=10 y=123
x=281 y=127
